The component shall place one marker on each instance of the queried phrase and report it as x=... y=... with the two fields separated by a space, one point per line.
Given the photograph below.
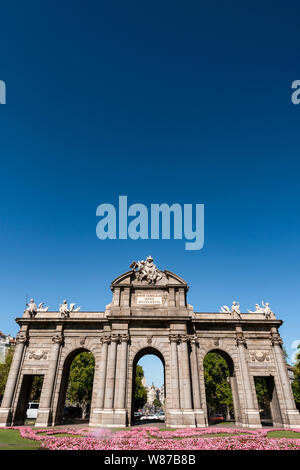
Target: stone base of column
x=200 y=418
x=109 y=418
x=292 y=419
x=174 y=418
x=182 y=419
x=44 y=417
x=251 y=419
x=95 y=417
x=5 y=417
x=188 y=418
x=120 y=418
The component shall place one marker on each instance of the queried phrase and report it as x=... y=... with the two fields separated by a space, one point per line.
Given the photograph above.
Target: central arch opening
x=148 y=388
x=220 y=387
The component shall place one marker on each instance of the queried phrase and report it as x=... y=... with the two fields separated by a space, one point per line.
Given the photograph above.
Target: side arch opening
x=76 y=387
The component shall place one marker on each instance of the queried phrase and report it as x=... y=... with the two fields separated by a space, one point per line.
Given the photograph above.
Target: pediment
x=123 y=279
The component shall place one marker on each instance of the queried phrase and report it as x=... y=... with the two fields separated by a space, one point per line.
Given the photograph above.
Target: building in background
x=6 y=341
x=153 y=392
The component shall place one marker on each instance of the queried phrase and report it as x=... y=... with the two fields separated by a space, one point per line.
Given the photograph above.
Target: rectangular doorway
x=29 y=397
x=268 y=402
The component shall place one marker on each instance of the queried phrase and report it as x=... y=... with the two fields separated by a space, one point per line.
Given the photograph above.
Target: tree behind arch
x=296 y=382
x=217 y=385
x=81 y=379
x=140 y=394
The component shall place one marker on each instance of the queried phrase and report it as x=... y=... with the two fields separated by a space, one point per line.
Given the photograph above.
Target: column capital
x=194 y=339
x=124 y=338
x=276 y=339
x=184 y=338
x=240 y=339
x=173 y=338
x=22 y=338
x=105 y=339
x=115 y=338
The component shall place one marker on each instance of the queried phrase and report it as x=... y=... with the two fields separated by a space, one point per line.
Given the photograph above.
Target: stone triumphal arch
x=149 y=313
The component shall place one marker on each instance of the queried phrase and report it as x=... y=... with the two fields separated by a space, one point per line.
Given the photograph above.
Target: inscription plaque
x=148 y=300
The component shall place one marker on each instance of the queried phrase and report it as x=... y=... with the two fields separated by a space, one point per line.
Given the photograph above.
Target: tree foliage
x=4 y=370
x=36 y=388
x=296 y=382
x=140 y=394
x=157 y=403
x=217 y=385
x=262 y=394
x=81 y=378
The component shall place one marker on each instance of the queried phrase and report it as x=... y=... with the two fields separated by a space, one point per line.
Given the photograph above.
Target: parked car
x=32 y=410
x=137 y=416
x=161 y=416
x=216 y=418
x=152 y=417
x=143 y=418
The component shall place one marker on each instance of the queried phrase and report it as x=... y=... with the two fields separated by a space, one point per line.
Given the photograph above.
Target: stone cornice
x=147 y=318
x=238 y=321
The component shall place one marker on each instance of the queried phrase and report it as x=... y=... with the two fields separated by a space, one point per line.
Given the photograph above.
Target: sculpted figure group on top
x=146 y=270
x=235 y=308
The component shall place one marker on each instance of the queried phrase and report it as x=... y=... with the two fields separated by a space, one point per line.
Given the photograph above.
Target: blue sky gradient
x=184 y=102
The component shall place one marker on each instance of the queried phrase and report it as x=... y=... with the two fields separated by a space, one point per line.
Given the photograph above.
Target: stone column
x=120 y=412
x=121 y=392
x=199 y=412
x=250 y=410
x=185 y=383
x=202 y=385
x=102 y=371
x=11 y=384
x=45 y=411
x=108 y=411
x=174 y=373
x=236 y=400
x=291 y=414
x=99 y=381
x=174 y=418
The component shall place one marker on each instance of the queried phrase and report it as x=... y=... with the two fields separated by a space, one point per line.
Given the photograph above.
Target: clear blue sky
x=186 y=102
x=153 y=369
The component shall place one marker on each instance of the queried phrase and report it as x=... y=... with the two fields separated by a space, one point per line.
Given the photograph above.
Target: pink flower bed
x=153 y=439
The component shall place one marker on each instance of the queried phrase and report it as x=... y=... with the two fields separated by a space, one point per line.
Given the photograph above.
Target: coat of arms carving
x=38 y=354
